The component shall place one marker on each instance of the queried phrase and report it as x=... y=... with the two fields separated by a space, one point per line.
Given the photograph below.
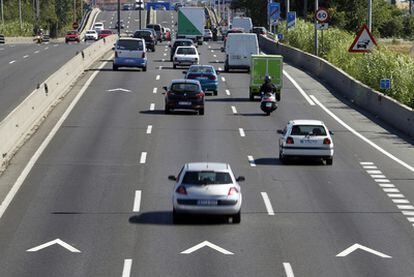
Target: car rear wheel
x=215 y=93
x=201 y=111
x=251 y=97
x=144 y=69
x=176 y=217
x=114 y=67
x=329 y=161
x=174 y=66
x=167 y=110
x=282 y=157
x=237 y=218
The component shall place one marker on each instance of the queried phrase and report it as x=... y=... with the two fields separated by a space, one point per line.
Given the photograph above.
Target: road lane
x=83 y=187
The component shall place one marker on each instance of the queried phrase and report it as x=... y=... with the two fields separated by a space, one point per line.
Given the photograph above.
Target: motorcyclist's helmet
x=268 y=79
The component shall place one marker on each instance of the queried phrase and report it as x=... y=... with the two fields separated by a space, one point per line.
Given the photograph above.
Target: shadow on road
x=165 y=218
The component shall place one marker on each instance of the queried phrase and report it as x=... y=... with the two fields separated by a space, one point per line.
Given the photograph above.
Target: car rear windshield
x=131 y=45
x=186 y=51
x=200 y=69
x=142 y=34
x=90 y=32
x=206 y=178
x=185 y=88
x=182 y=43
x=308 y=130
x=71 y=33
x=106 y=32
x=155 y=27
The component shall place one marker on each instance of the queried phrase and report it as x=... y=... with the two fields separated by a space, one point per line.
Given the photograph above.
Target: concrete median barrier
x=25 y=118
x=392 y=112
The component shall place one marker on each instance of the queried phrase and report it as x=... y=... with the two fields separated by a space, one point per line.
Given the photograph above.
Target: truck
x=244 y=23
x=191 y=22
x=262 y=66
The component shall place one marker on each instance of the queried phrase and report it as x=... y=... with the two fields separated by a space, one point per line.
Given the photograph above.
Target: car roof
x=129 y=38
x=202 y=166
x=187 y=46
x=186 y=81
x=306 y=122
x=183 y=39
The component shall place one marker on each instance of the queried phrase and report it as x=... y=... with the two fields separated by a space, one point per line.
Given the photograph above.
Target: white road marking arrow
x=209 y=244
x=356 y=246
x=119 y=89
x=50 y=243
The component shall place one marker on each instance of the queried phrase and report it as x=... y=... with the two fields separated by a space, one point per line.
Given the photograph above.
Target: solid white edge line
x=234 y=110
x=288 y=270
x=149 y=129
x=23 y=175
x=126 y=271
x=152 y=106
x=143 y=158
x=242 y=133
x=340 y=121
x=268 y=204
x=137 y=201
x=299 y=88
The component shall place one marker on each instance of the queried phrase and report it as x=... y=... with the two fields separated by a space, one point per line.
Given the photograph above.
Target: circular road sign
x=322 y=15
x=75 y=25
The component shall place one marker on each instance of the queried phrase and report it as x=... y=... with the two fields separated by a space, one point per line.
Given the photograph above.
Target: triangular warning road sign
x=364 y=41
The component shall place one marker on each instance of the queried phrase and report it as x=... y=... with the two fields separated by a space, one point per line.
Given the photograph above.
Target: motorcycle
x=268 y=103
x=39 y=39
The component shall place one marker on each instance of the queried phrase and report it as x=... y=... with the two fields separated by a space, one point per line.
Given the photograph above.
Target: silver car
x=206 y=188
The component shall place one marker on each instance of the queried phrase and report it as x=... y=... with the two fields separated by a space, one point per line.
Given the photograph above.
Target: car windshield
x=186 y=51
x=131 y=45
x=206 y=178
x=182 y=43
x=308 y=130
x=185 y=88
x=201 y=69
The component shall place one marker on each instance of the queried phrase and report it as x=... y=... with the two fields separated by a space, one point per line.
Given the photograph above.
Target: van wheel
x=251 y=97
x=226 y=68
x=176 y=217
x=201 y=111
x=174 y=66
x=114 y=67
x=144 y=69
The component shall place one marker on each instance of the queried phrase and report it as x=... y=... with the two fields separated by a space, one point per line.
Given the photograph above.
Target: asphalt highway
x=101 y=185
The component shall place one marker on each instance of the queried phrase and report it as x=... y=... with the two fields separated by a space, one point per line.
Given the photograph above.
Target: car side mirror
x=331 y=133
x=172 y=178
x=113 y=48
x=279 y=131
x=240 y=179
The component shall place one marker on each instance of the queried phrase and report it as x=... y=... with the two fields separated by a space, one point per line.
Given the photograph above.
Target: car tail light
x=212 y=77
x=200 y=95
x=181 y=190
x=290 y=140
x=326 y=141
x=233 y=191
x=143 y=55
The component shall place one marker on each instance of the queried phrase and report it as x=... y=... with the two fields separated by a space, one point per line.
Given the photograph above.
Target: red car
x=104 y=33
x=72 y=36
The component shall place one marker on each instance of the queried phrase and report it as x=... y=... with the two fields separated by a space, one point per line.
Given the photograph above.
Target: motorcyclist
x=269 y=89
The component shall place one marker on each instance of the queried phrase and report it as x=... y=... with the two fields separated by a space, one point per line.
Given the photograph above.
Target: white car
x=207 y=188
x=186 y=55
x=306 y=138
x=99 y=26
x=208 y=35
x=91 y=35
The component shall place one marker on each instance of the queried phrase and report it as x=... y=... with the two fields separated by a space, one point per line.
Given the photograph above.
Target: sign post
x=321 y=18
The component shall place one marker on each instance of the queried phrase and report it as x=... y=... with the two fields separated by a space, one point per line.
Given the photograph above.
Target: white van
x=99 y=26
x=244 y=23
x=239 y=48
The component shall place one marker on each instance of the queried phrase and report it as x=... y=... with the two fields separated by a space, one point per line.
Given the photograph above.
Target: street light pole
x=2 y=12
x=140 y=14
x=316 y=30
x=119 y=18
x=20 y=14
x=370 y=15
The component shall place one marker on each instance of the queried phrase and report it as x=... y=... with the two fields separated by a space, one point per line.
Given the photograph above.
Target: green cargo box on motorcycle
x=262 y=66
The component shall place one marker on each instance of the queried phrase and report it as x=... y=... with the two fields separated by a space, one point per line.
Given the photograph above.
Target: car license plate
x=184 y=103
x=308 y=141
x=268 y=105
x=207 y=202
x=129 y=60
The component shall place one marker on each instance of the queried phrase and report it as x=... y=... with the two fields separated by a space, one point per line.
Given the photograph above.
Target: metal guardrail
x=2 y=39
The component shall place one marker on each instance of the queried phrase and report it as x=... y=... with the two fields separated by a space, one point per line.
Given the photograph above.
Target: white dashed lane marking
x=223 y=79
x=228 y=92
x=288 y=270
x=152 y=106
x=157 y=78
x=268 y=204
x=25 y=56
x=143 y=158
x=12 y=62
x=251 y=161
x=36 y=52
x=137 y=201
x=149 y=129
x=126 y=272
x=154 y=90
x=242 y=133
x=233 y=109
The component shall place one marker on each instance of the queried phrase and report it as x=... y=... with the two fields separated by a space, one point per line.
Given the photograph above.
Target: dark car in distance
x=158 y=30
x=184 y=94
x=149 y=38
x=179 y=42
